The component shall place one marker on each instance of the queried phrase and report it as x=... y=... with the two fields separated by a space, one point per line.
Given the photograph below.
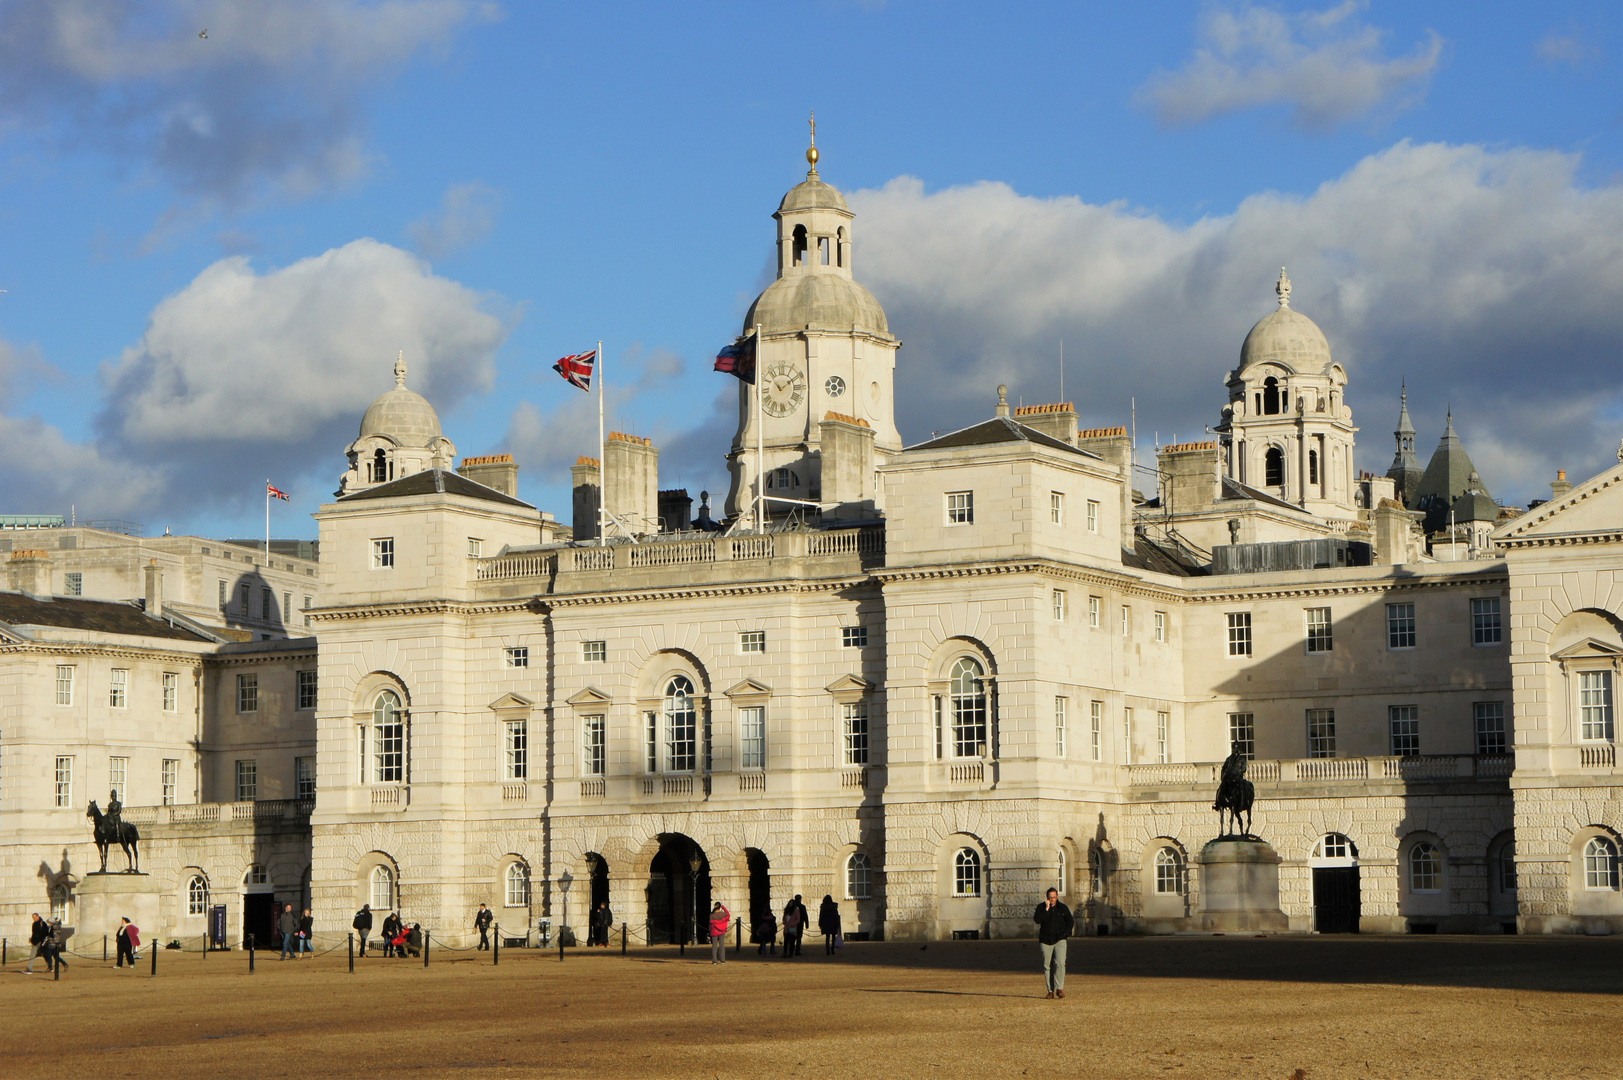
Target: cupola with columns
x=400 y=436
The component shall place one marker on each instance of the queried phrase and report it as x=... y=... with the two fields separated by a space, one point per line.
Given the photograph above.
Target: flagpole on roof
x=267 y=520
x=760 y=439
x=602 y=448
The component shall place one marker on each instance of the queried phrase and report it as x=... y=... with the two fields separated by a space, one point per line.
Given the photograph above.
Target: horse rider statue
x=1234 y=797
x=111 y=828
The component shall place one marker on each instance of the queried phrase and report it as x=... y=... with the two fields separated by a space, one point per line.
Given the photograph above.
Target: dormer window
x=799 y=248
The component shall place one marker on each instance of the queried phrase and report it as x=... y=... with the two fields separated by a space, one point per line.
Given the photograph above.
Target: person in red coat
x=720 y=920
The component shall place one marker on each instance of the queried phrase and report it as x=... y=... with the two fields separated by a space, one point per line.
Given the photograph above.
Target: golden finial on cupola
x=811 y=151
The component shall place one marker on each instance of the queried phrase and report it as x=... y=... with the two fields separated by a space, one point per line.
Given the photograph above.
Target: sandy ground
x=1145 y=1007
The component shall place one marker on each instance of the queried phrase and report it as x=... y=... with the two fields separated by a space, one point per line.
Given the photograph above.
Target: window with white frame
x=1239 y=633
x=517 y=655
x=1507 y=867
x=966 y=872
x=247 y=693
x=118 y=688
x=388 y=739
x=752 y=641
x=1093 y=515
x=1096 y=730
x=960 y=507
x=752 y=737
x=854 y=637
x=1600 y=864
x=516 y=750
x=595 y=745
x=304 y=777
x=1059 y=605
x=476 y=548
x=64 y=781
x=383 y=553
x=1169 y=876
x=267 y=604
x=1400 y=626
x=1060 y=707
x=171 y=690
x=1333 y=846
x=1595 y=704
x=382 y=889
x=307 y=685
x=1321 y=733
x=1319 y=639
x=118 y=775
x=1425 y=868
x=73 y=583
x=257 y=875
x=1403 y=727
x=64 y=684
x=1056 y=507
x=594 y=652
x=222 y=595
x=856 y=732
x=170 y=780
x=1127 y=736
x=287 y=607
x=1163 y=737
x=197 y=897
x=968 y=693
x=858 y=877
x=306 y=610
x=1485 y=625
x=681 y=726
x=651 y=740
x=1489 y=722
x=245 y=600
x=247 y=779
x=1095 y=605
x=1063 y=885
x=1243 y=735
x=1161 y=627
x=517 y=893
x=1126 y=621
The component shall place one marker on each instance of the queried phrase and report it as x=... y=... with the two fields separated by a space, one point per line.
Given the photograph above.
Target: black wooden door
x=1335 y=899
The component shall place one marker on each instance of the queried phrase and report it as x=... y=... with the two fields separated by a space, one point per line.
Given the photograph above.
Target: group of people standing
x=795 y=920
x=49 y=940
x=296 y=931
x=398 y=939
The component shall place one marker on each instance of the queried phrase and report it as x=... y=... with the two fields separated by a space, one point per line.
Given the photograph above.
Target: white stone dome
x=813 y=194
x=818 y=300
x=402 y=415
x=1286 y=337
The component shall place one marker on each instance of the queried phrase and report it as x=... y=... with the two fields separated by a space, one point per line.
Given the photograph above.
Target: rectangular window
x=1321 y=733
x=222 y=596
x=307 y=690
x=64 y=781
x=856 y=732
x=594 y=652
x=1239 y=633
x=306 y=610
x=1318 y=630
x=1059 y=605
x=1485 y=627
x=1056 y=507
x=1403 y=721
x=960 y=507
x=389 y=752
x=1093 y=515
x=1243 y=735
x=1595 y=701
x=476 y=548
x=1096 y=730
x=940 y=725
x=1094 y=606
x=518 y=750
x=518 y=656
x=752 y=641
x=681 y=736
x=969 y=722
x=1161 y=627
x=73 y=583
x=594 y=745
x=171 y=779
x=1060 y=705
x=1400 y=626
x=118 y=775
x=1127 y=736
x=287 y=607
x=247 y=780
x=1126 y=621
x=171 y=690
x=1163 y=737
x=245 y=601
x=304 y=777
x=247 y=693
x=854 y=637
x=267 y=604
x=1489 y=721
x=752 y=737
x=64 y=684
x=383 y=553
x=118 y=688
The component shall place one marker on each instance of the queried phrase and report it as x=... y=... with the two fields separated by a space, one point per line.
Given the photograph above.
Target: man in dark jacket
x=363 y=924
x=38 y=934
x=1054 y=926
x=307 y=931
x=288 y=924
x=481 y=923
x=391 y=930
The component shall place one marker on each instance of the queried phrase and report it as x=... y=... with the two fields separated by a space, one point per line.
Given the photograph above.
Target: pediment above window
x=1588 y=650
x=749 y=688
x=848 y=688
x=590 y=698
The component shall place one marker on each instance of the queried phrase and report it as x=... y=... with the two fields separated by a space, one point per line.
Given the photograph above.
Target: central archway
x=678 y=890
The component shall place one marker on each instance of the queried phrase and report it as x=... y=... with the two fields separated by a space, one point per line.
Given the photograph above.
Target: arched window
x=1273 y=467
x=1064 y=872
x=782 y=478
x=839 y=253
x=1425 y=869
x=968 y=691
x=966 y=873
x=858 y=877
x=382 y=890
x=257 y=875
x=388 y=739
x=1507 y=867
x=1313 y=466
x=1335 y=846
x=518 y=885
x=799 y=245
x=681 y=726
x=380 y=467
x=1169 y=872
x=1270 y=396
x=60 y=898
x=197 y=895
x=1600 y=864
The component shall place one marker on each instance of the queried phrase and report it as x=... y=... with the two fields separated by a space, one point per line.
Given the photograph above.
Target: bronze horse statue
x=116 y=831
x=1234 y=796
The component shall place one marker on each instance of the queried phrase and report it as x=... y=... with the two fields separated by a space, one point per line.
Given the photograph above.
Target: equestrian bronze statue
x=111 y=828
x=1234 y=797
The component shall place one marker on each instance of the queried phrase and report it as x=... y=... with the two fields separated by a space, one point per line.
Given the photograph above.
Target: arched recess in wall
x=1164 y=878
x=964 y=887
x=1595 y=882
x=1424 y=880
x=674 y=714
x=1502 y=888
x=1586 y=662
x=963 y=700
x=377 y=882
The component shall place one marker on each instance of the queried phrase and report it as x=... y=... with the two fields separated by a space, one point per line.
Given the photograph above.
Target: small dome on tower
x=817 y=300
x=813 y=194
x=1286 y=337
x=401 y=414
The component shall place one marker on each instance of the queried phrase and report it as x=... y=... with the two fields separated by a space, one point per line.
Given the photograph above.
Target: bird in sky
x=203 y=33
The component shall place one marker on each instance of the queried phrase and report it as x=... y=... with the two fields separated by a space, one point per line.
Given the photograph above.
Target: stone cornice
x=700 y=592
x=1351 y=588
x=457 y=608
x=92 y=648
x=258 y=658
x=1603 y=536
x=1048 y=568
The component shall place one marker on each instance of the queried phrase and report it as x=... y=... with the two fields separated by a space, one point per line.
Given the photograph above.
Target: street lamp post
x=695 y=864
x=563 y=920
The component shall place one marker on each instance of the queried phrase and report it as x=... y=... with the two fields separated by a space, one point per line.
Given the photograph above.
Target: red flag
x=578 y=369
x=276 y=492
x=738 y=359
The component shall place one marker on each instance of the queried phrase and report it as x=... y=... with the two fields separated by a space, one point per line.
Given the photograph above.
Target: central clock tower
x=825 y=347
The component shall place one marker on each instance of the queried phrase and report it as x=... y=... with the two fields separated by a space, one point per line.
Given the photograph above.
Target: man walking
x=481 y=923
x=307 y=931
x=128 y=939
x=56 y=942
x=362 y=924
x=38 y=934
x=1054 y=926
x=289 y=926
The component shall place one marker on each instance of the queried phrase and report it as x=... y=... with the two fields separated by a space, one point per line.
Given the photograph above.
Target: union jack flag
x=276 y=493
x=578 y=369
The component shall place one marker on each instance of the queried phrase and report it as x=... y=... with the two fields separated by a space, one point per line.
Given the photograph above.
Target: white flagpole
x=760 y=439
x=267 y=519
x=602 y=448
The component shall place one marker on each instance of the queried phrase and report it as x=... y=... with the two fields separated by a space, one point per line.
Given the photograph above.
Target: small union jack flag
x=276 y=493
x=578 y=369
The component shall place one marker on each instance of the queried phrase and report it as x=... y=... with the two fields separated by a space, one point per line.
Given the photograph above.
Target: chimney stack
x=630 y=484
x=586 y=477
x=31 y=573
x=154 y=589
x=1560 y=485
x=847 y=466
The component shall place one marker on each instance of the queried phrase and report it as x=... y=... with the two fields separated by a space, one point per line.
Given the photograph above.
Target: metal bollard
x=738 y=945
x=154 y=948
x=104 y=948
x=3 y=943
x=623 y=927
x=352 y=952
x=560 y=944
x=250 y=954
x=496 y=947
x=425 y=948
x=57 y=967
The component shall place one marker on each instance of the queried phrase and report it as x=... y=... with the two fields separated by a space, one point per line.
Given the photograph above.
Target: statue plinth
x=102 y=899
x=1239 y=886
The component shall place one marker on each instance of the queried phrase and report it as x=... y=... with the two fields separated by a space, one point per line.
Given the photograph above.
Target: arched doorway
x=678 y=890
x=760 y=868
x=599 y=899
x=1337 y=899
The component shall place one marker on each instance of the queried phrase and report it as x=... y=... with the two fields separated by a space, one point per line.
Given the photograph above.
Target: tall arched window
x=858 y=877
x=382 y=890
x=1600 y=864
x=518 y=885
x=380 y=467
x=681 y=726
x=388 y=739
x=1270 y=396
x=197 y=895
x=966 y=872
x=1064 y=872
x=968 y=690
x=1507 y=867
x=61 y=897
x=799 y=245
x=1313 y=466
x=1425 y=868
x=1273 y=467
x=1169 y=872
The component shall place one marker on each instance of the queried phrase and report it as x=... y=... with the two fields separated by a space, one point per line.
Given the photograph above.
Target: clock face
x=835 y=386
x=783 y=389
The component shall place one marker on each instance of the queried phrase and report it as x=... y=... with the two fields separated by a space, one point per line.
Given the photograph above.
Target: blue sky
x=213 y=247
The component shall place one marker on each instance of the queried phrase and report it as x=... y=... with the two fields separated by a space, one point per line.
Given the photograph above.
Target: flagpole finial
x=811 y=151
x=400 y=369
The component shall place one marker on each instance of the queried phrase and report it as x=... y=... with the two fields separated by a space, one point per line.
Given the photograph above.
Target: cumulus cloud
x=467 y=214
x=268 y=101
x=1327 y=67
x=1490 y=279
x=1566 y=46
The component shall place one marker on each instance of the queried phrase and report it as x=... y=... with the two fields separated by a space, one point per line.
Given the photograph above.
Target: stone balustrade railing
x=1330 y=770
x=867 y=542
x=215 y=813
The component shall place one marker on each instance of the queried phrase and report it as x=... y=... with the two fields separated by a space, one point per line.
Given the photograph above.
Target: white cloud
x=1490 y=279
x=1328 y=67
x=267 y=102
x=1566 y=46
x=467 y=214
